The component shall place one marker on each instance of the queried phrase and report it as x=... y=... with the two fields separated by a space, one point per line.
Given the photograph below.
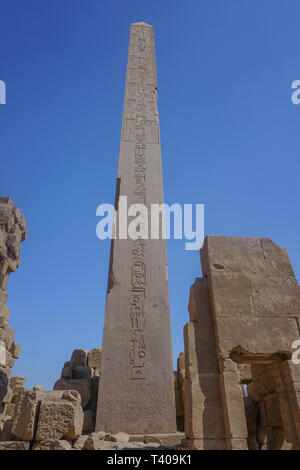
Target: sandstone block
x=52 y=445
x=17 y=382
x=237 y=444
x=79 y=357
x=232 y=296
x=82 y=386
x=5 y=433
x=3 y=300
x=233 y=405
x=233 y=254
x=256 y=335
x=14 y=445
x=59 y=420
x=94 y=358
x=3 y=322
x=199 y=303
x=24 y=419
x=207 y=444
x=78 y=444
x=169 y=440
x=10 y=410
x=7 y=336
x=120 y=437
x=15 y=350
x=93 y=442
x=136 y=438
x=276 y=297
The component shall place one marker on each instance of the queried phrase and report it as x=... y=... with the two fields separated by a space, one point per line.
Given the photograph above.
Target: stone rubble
x=82 y=373
x=13 y=231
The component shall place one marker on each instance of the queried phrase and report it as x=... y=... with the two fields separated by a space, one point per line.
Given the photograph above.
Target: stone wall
x=13 y=231
x=244 y=317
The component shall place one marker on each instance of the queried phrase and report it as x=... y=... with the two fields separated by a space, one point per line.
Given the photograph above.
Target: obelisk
x=136 y=391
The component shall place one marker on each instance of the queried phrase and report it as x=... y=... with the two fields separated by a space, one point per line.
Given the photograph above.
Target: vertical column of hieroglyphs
x=140 y=125
x=136 y=386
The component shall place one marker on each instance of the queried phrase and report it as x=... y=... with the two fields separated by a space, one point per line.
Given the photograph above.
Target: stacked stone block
x=82 y=374
x=13 y=231
x=244 y=311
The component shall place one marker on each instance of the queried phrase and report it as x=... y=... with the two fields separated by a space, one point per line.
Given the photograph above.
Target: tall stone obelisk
x=136 y=392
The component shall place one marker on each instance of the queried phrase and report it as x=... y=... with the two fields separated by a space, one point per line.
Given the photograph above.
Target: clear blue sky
x=230 y=140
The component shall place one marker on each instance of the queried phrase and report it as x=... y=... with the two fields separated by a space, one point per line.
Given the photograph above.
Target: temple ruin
x=244 y=316
x=236 y=386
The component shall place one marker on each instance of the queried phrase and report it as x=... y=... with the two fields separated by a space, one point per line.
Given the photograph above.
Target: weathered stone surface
x=98 y=441
x=79 y=357
x=207 y=444
x=51 y=411
x=120 y=437
x=78 y=444
x=59 y=420
x=136 y=438
x=12 y=232
x=14 y=445
x=233 y=405
x=5 y=429
x=52 y=445
x=244 y=318
x=280 y=331
x=77 y=375
x=24 y=419
x=15 y=350
x=203 y=404
x=10 y=410
x=237 y=444
x=139 y=445
x=94 y=360
x=17 y=382
x=170 y=440
x=82 y=386
x=8 y=397
x=136 y=392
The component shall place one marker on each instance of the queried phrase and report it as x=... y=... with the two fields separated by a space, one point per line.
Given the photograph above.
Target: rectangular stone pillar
x=136 y=392
x=204 y=420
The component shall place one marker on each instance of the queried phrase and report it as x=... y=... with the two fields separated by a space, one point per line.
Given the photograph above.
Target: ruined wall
x=245 y=310
x=13 y=231
x=82 y=374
